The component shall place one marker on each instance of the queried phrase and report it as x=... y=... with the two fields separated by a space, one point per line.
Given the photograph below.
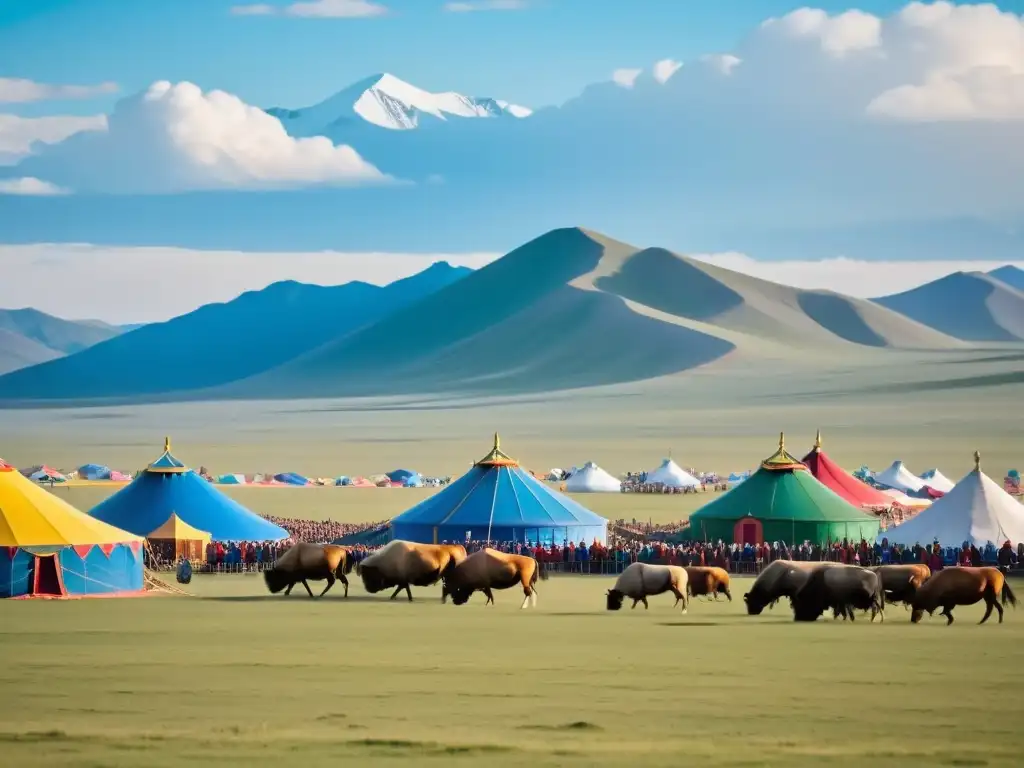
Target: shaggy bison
x=780 y=578
x=955 y=586
x=842 y=589
x=707 y=580
x=309 y=562
x=404 y=564
x=490 y=569
x=642 y=579
x=901 y=582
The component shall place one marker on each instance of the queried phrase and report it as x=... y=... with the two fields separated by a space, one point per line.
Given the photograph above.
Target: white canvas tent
x=937 y=481
x=905 y=501
x=592 y=479
x=977 y=510
x=672 y=475
x=899 y=477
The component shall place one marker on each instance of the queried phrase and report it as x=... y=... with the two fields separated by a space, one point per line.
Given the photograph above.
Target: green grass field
x=236 y=674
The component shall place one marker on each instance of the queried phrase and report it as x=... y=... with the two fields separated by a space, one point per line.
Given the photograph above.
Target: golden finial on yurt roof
x=782 y=461
x=977 y=461
x=817 y=441
x=167 y=445
x=167 y=464
x=497 y=458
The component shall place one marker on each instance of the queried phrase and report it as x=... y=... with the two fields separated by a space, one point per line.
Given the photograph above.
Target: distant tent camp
x=168 y=487
x=401 y=475
x=935 y=479
x=672 y=475
x=291 y=478
x=234 y=479
x=908 y=502
x=412 y=481
x=833 y=477
x=50 y=549
x=499 y=501
x=592 y=479
x=781 y=501
x=343 y=480
x=44 y=474
x=899 y=477
x=94 y=472
x=976 y=510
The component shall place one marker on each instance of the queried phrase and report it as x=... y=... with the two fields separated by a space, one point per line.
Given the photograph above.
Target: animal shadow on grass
x=576 y=726
x=692 y=624
x=295 y=597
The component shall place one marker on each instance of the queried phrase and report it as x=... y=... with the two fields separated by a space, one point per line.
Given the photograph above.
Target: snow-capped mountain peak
x=389 y=102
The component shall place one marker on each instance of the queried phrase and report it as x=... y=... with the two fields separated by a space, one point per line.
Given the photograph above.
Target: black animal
x=314 y=562
x=841 y=589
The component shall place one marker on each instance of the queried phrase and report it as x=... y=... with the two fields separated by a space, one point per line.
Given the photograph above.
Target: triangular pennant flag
x=136 y=547
x=82 y=550
x=107 y=548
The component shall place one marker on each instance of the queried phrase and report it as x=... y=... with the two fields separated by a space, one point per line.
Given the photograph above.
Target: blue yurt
x=166 y=488
x=498 y=501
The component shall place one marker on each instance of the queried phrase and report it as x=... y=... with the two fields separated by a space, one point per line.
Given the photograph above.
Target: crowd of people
x=598 y=558
x=322 y=531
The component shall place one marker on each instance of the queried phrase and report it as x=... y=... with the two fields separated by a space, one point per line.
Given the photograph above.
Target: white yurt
x=937 y=481
x=977 y=510
x=907 y=502
x=672 y=475
x=899 y=477
x=592 y=479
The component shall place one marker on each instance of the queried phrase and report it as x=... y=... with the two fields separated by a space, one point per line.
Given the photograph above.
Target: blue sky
x=540 y=55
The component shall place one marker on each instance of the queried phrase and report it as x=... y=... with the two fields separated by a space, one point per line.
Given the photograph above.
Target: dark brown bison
x=708 y=580
x=955 y=586
x=640 y=580
x=842 y=589
x=309 y=562
x=404 y=564
x=490 y=569
x=901 y=582
x=780 y=578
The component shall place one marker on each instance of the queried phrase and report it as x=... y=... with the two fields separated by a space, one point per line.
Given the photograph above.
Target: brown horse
x=957 y=585
x=901 y=582
x=304 y=561
x=490 y=569
x=708 y=580
x=402 y=564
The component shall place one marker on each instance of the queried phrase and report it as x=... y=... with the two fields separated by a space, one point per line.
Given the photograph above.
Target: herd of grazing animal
x=812 y=588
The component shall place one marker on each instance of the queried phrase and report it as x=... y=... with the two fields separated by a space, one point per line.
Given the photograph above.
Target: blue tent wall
x=518 y=507
x=150 y=499
x=95 y=574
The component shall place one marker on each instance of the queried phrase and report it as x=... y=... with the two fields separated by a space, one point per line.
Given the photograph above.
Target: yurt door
x=46 y=580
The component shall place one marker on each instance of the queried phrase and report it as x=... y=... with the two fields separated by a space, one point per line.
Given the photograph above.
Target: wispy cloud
x=19 y=134
x=29 y=185
x=627 y=76
x=486 y=5
x=15 y=90
x=322 y=9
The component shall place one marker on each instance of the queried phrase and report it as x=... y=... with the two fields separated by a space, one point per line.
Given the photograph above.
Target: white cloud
x=175 y=137
x=485 y=5
x=853 y=277
x=29 y=185
x=724 y=63
x=20 y=90
x=116 y=284
x=18 y=134
x=322 y=9
x=837 y=35
x=665 y=68
x=626 y=77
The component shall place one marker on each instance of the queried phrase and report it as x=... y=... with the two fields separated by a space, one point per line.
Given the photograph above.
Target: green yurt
x=782 y=501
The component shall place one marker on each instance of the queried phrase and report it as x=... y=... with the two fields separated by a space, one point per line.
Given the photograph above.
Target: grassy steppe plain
x=236 y=674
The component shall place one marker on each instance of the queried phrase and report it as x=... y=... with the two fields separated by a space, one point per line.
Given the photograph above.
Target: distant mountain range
x=385 y=101
x=28 y=337
x=1011 y=275
x=966 y=305
x=572 y=308
x=220 y=343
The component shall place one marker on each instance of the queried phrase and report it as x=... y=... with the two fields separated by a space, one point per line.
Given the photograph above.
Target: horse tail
x=1006 y=594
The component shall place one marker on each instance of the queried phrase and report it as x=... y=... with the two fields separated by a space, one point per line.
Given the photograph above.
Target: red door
x=748 y=531
x=47 y=580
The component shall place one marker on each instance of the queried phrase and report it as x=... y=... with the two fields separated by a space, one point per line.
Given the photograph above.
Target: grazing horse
x=707 y=580
x=640 y=580
x=304 y=562
x=958 y=585
x=402 y=564
x=490 y=569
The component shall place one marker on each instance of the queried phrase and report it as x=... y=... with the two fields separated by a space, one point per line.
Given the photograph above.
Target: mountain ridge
x=30 y=336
